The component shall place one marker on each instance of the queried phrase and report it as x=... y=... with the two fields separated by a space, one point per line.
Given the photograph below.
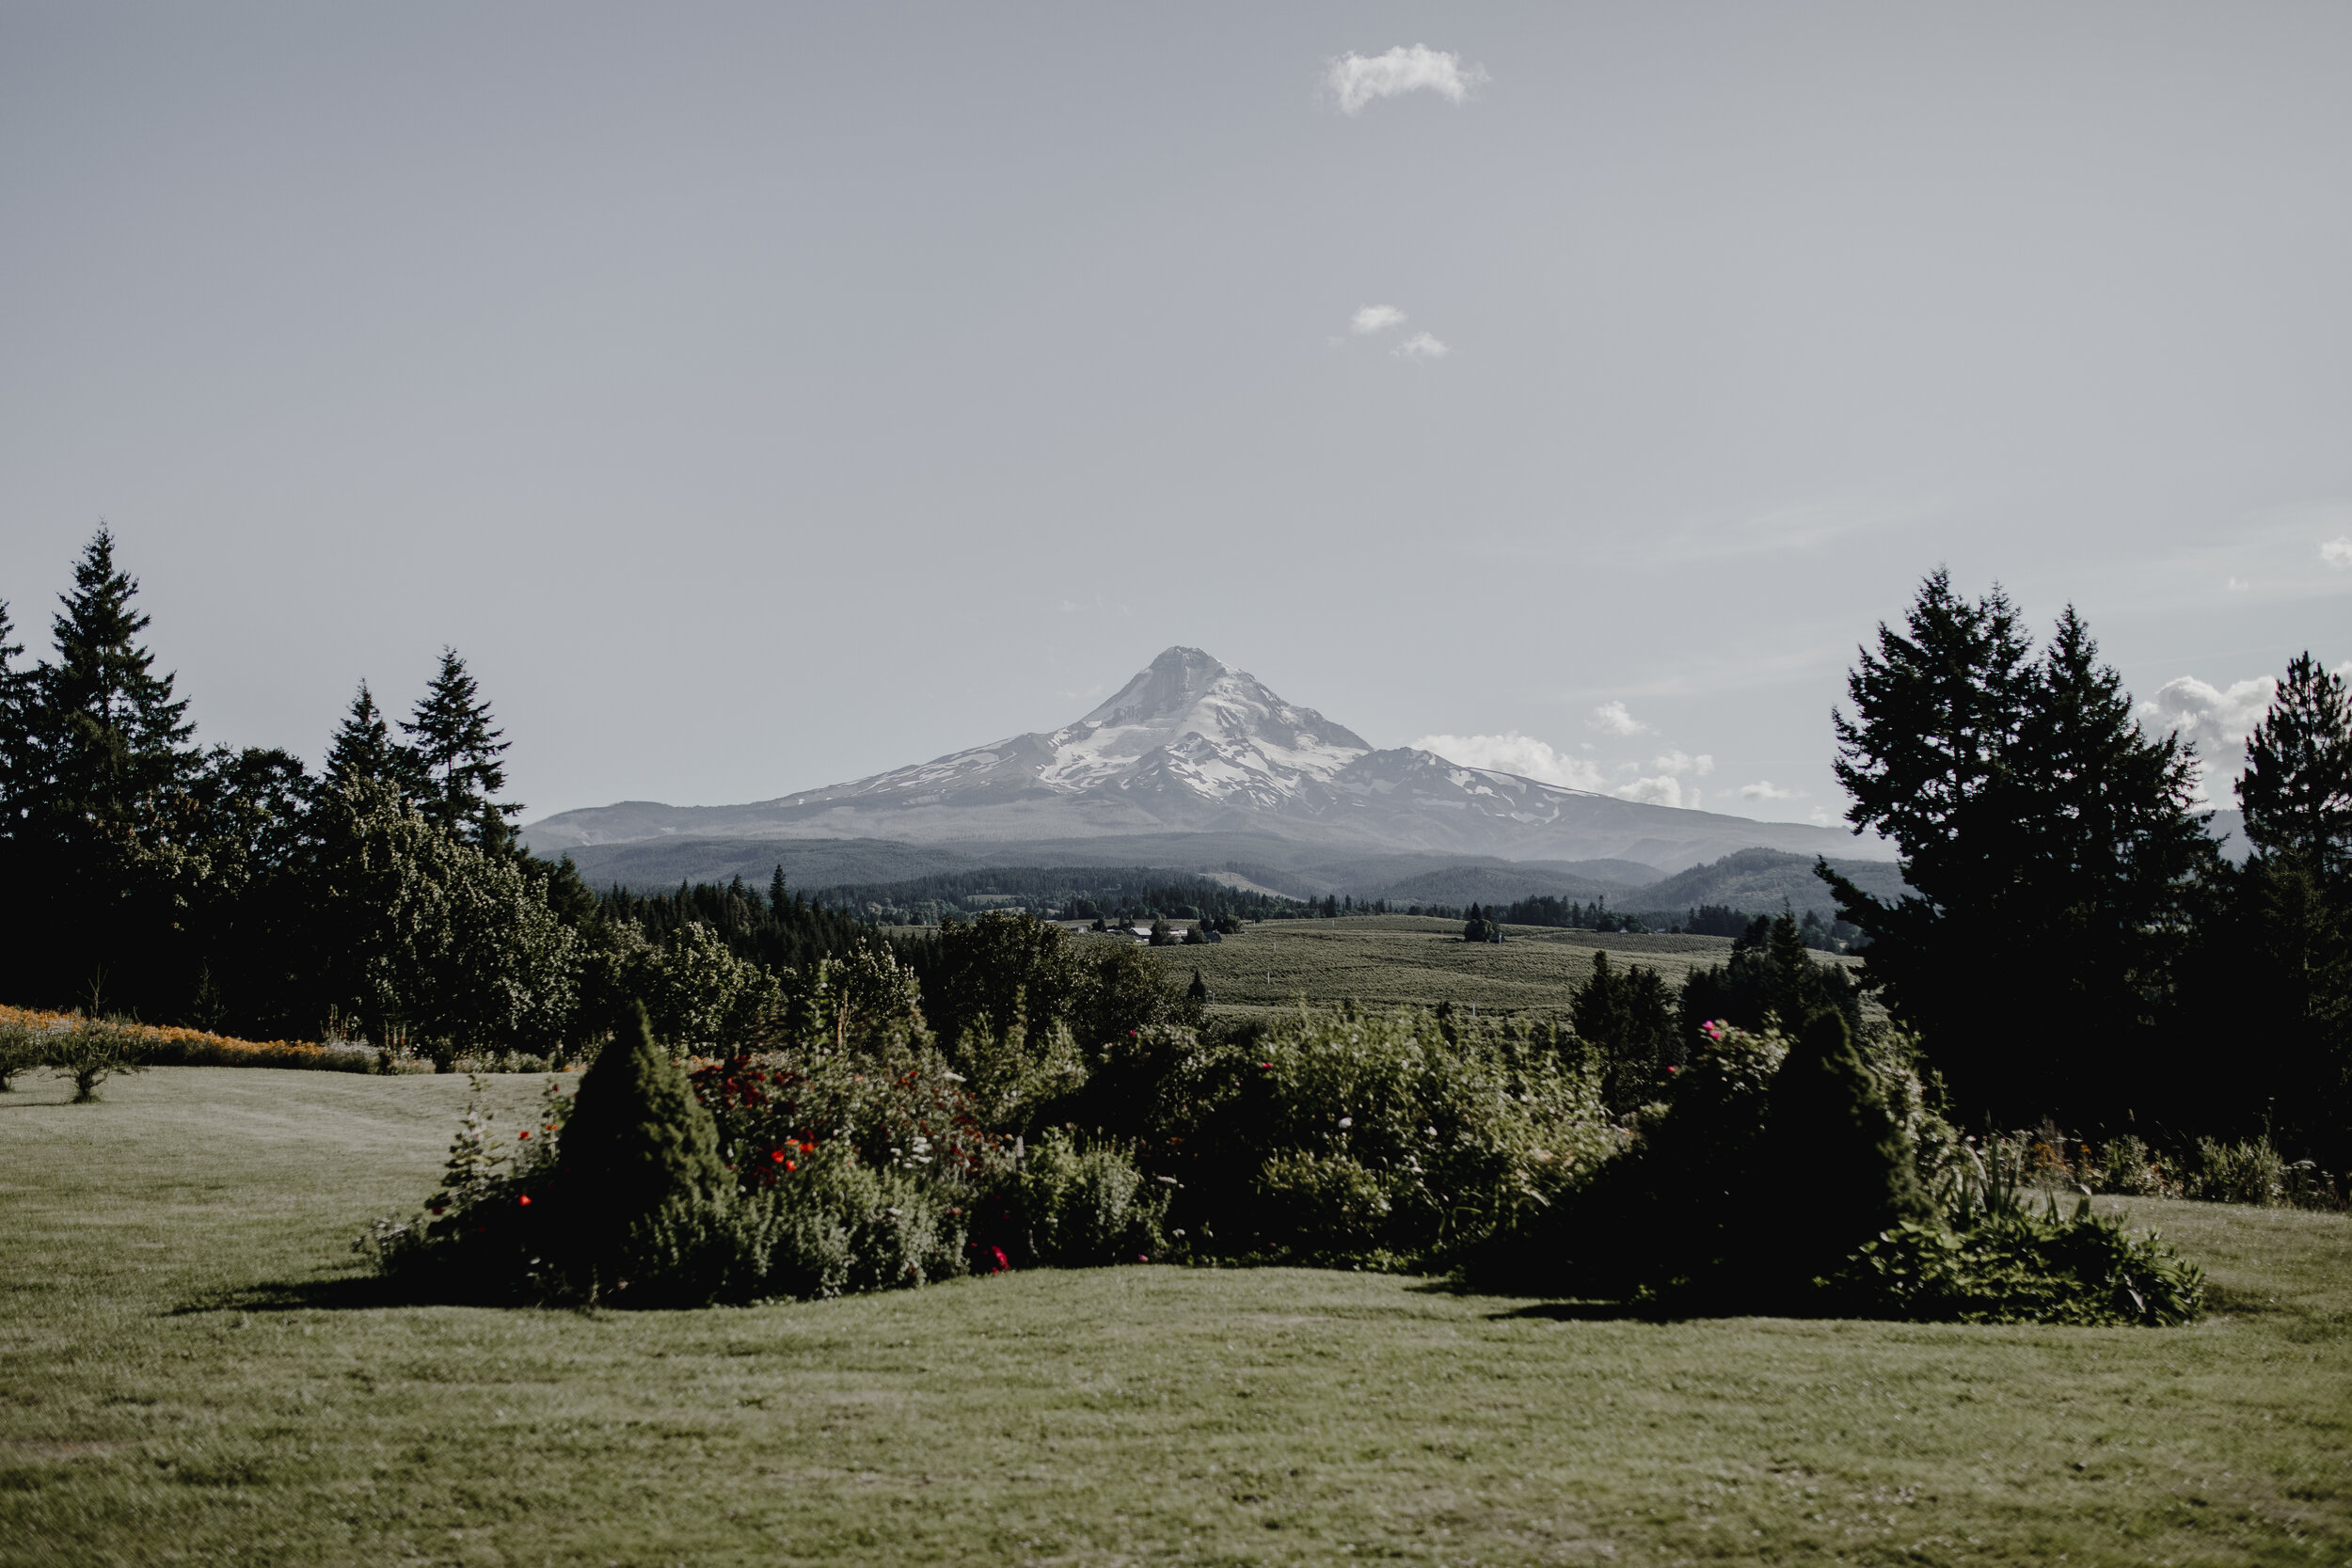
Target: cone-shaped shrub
x=1839 y=1170
x=643 y=1194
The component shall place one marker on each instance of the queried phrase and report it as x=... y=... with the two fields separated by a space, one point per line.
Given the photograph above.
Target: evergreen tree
x=458 y=751
x=2051 y=846
x=643 y=1188
x=2297 y=790
x=17 y=773
x=1626 y=1019
x=107 y=837
x=363 y=748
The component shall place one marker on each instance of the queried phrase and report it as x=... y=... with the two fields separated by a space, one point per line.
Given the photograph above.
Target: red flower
x=525 y=1200
x=522 y=1134
x=1003 y=1262
x=776 y=1155
x=789 y=1165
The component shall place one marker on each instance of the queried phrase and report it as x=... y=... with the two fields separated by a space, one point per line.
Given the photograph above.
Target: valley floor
x=187 y=1377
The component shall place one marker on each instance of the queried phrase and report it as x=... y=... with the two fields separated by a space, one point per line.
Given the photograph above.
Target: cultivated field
x=1401 y=960
x=187 y=1380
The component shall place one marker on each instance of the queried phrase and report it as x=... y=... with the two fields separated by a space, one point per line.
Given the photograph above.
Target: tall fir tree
x=363 y=748
x=458 y=750
x=108 y=829
x=2297 y=790
x=2055 y=861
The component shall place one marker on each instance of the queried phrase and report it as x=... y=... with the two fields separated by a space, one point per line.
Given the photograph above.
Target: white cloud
x=1819 y=818
x=1514 y=752
x=2217 y=720
x=1612 y=718
x=1421 y=345
x=1375 y=317
x=2237 y=585
x=1764 y=789
x=1679 y=763
x=2337 y=552
x=1356 y=79
x=1663 y=790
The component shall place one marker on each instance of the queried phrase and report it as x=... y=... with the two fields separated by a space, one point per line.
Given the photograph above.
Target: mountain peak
x=1169 y=683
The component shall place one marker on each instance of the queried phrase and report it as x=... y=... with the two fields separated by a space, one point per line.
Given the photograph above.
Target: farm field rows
x=186 y=1374
x=1397 y=960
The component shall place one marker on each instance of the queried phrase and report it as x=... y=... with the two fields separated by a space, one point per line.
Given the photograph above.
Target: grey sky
x=764 y=396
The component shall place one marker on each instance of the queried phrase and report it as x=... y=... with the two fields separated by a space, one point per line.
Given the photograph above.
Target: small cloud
x=1516 y=754
x=1663 y=790
x=2337 y=552
x=1375 y=317
x=1679 y=763
x=1612 y=718
x=1764 y=789
x=2237 y=585
x=1356 y=79
x=1421 y=345
x=1819 y=818
x=2215 y=719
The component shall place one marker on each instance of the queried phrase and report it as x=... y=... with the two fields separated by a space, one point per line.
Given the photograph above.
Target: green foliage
x=837 y=1226
x=2296 y=789
x=2034 y=818
x=455 y=751
x=1081 y=1206
x=642 y=1199
x=94 y=1050
x=20 y=1047
x=1771 y=979
x=1842 y=1170
x=2020 y=1268
x=1340 y=1136
x=1629 y=1024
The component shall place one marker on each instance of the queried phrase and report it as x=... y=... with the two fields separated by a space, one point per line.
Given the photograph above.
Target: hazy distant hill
x=1758 y=881
x=1193 y=746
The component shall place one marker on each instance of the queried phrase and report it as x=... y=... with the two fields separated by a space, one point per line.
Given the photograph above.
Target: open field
x=1394 y=959
x=186 y=1380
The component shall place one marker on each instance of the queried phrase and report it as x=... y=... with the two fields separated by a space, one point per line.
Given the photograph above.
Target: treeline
x=381 y=898
x=1122 y=894
x=2077 y=946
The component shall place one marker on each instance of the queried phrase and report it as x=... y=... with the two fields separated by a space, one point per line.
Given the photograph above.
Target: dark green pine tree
x=1926 y=759
x=458 y=750
x=2109 y=862
x=108 y=831
x=778 y=899
x=17 y=768
x=363 y=748
x=2296 y=791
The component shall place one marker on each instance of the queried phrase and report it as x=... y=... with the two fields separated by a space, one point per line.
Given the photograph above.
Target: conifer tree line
x=2077 y=946
x=385 y=895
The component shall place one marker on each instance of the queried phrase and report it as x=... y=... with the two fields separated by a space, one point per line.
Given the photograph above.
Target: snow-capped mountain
x=1193 y=744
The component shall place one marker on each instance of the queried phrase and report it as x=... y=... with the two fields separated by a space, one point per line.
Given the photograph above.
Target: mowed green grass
x=1394 y=960
x=176 y=1388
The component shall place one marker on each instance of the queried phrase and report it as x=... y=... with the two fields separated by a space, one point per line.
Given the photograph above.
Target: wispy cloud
x=1356 y=80
x=1764 y=789
x=1421 y=345
x=2337 y=552
x=1613 y=718
x=1375 y=317
x=1679 y=763
x=1514 y=752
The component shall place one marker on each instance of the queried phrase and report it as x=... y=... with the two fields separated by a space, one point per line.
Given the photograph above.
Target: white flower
x=1346 y=1122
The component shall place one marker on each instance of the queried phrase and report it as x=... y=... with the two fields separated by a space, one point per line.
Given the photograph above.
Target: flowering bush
x=20 y=1047
x=1082 y=1206
x=484 y=1234
x=168 y=1045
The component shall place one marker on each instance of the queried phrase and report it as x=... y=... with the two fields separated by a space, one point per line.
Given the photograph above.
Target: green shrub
x=2127 y=1167
x=1839 y=1168
x=2020 y=1268
x=1345 y=1137
x=93 y=1050
x=641 y=1196
x=835 y=1225
x=21 y=1049
x=1086 y=1206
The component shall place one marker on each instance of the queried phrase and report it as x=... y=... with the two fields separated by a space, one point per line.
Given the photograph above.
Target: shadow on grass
x=1575 y=1310
x=351 y=1292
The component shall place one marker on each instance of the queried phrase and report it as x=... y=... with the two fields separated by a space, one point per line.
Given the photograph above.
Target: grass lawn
x=182 y=1379
x=1400 y=959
